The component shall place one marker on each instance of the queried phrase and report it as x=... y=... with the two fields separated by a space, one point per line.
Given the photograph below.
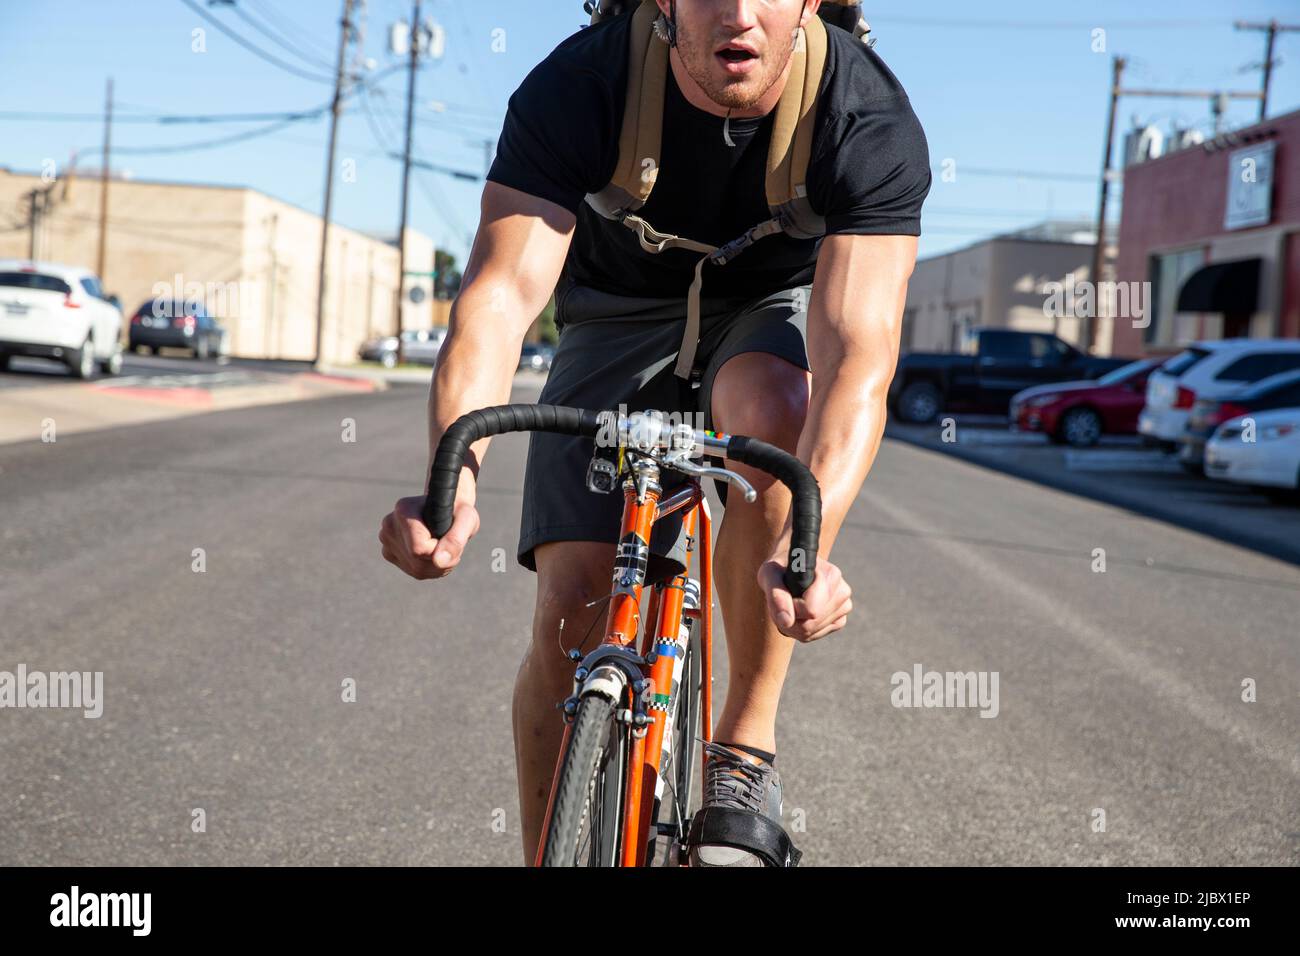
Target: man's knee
x=763 y=396
x=570 y=575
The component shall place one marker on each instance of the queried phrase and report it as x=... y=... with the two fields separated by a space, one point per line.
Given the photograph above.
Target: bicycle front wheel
x=586 y=826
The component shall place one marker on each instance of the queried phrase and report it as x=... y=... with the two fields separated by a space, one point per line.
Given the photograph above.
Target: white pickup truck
x=58 y=312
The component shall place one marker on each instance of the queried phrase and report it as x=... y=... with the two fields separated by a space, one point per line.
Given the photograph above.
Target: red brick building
x=1215 y=229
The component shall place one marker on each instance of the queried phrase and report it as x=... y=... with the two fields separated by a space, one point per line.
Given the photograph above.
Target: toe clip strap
x=743 y=830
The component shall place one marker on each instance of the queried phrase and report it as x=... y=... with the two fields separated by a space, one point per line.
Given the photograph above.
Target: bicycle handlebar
x=453 y=447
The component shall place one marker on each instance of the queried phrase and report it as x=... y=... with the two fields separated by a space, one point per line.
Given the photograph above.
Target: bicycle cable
x=559 y=638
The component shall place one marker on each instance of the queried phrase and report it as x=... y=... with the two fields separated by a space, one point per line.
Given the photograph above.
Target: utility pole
x=370 y=290
x=270 y=344
x=35 y=197
x=1271 y=29
x=1099 y=250
x=406 y=172
x=1218 y=101
x=103 y=185
x=336 y=107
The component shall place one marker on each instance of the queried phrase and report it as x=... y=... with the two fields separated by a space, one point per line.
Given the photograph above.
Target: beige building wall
x=999 y=283
x=945 y=294
x=250 y=257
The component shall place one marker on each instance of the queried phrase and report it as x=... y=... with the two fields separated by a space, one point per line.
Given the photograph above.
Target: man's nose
x=740 y=14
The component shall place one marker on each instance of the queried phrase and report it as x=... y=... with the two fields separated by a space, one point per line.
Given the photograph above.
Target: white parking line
x=187 y=380
x=971 y=436
x=1121 y=460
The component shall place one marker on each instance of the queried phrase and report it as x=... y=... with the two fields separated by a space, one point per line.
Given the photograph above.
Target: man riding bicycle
x=654 y=314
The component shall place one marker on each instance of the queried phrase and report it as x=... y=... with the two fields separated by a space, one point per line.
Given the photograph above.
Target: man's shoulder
x=855 y=74
x=560 y=137
x=592 y=55
x=870 y=168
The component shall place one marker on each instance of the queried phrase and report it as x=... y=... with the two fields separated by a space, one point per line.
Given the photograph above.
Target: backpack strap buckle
x=725 y=253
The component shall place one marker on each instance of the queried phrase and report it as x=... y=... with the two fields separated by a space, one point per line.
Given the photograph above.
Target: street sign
x=1250 y=186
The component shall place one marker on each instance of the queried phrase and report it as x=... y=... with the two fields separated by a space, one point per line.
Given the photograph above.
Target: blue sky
x=1012 y=91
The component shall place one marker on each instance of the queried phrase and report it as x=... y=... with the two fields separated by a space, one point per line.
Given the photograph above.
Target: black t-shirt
x=869 y=171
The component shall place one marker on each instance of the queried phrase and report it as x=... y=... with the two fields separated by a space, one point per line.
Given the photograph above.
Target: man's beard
x=739 y=94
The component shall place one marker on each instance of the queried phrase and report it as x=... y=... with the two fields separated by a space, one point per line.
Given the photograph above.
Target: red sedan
x=1079 y=413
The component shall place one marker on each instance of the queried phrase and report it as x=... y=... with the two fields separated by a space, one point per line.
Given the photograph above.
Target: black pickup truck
x=1003 y=363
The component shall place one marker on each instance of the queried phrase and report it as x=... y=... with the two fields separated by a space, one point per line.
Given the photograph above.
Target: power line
x=1050 y=24
x=469 y=37
x=221 y=140
x=1023 y=174
x=156 y=118
x=1005 y=213
x=177 y=223
x=283 y=120
x=382 y=138
x=256 y=50
x=448 y=125
x=1271 y=30
x=373 y=122
x=445 y=170
x=288 y=26
x=275 y=38
x=441 y=205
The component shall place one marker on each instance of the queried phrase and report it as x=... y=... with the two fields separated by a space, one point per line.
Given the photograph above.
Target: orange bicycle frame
x=622 y=627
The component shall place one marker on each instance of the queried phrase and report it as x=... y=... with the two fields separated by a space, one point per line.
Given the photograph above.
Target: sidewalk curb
x=383 y=378
x=386 y=379
x=359 y=383
x=83 y=407
x=1091 y=490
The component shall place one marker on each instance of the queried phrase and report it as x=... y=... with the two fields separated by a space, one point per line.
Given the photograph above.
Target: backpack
x=787 y=159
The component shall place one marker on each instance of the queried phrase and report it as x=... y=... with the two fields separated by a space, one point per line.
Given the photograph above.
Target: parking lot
x=1119 y=470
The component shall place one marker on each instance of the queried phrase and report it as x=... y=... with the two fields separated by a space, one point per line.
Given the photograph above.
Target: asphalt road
x=1118 y=691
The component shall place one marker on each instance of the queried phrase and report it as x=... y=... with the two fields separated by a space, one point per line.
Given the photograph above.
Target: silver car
x=419 y=347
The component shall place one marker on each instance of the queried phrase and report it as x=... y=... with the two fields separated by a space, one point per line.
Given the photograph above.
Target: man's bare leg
x=763 y=396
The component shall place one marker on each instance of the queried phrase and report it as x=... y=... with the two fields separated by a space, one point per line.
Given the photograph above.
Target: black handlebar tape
x=806 y=506
x=454 y=445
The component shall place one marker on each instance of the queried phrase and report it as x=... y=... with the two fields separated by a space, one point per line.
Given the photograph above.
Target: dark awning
x=1221 y=287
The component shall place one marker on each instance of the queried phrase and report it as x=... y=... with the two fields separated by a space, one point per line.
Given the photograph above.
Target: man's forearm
x=475 y=369
x=842 y=432
x=855 y=322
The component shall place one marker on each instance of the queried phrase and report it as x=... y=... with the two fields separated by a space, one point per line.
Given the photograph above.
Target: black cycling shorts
x=619 y=350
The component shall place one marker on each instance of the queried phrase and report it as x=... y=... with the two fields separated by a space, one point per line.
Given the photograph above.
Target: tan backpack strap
x=652 y=240
x=691 y=335
x=643 y=113
x=796 y=114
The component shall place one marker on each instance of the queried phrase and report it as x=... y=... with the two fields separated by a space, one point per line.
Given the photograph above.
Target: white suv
x=58 y=312
x=1211 y=369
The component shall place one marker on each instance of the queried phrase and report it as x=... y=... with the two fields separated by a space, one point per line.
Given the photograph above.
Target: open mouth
x=736 y=57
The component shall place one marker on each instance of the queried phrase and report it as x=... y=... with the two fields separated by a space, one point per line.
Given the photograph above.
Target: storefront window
x=1167 y=274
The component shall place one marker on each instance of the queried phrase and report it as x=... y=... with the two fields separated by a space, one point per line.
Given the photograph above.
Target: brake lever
x=680 y=463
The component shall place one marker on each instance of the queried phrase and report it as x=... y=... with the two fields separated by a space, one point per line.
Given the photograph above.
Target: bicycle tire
x=592 y=743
